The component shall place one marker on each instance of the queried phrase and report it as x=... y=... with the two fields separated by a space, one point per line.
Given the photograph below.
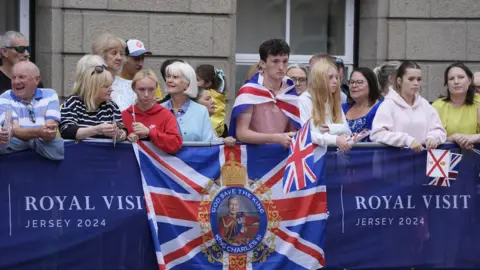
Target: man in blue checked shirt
x=35 y=114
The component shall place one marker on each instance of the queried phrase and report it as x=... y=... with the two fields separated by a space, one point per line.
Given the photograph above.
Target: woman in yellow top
x=460 y=109
x=213 y=79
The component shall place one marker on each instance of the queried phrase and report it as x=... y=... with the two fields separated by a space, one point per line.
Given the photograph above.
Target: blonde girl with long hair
x=328 y=122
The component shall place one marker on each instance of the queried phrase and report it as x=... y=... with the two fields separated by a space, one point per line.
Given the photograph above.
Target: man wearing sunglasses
x=14 y=48
x=35 y=114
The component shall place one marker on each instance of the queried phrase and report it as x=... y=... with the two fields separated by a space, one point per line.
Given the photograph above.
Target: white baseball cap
x=136 y=48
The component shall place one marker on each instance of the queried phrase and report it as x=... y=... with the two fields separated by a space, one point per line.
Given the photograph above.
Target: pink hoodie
x=398 y=124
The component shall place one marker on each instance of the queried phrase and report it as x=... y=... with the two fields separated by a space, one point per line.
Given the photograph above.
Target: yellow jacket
x=218 y=119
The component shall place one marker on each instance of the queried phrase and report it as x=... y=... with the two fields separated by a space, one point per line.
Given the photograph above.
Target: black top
x=225 y=132
x=6 y=83
x=345 y=89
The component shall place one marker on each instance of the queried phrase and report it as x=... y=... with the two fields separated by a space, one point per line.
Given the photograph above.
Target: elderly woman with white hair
x=193 y=119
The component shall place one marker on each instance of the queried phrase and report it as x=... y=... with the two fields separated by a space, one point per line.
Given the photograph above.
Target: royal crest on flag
x=253 y=92
x=452 y=174
x=224 y=208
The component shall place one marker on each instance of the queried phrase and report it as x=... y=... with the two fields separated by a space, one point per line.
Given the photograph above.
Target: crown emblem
x=233 y=173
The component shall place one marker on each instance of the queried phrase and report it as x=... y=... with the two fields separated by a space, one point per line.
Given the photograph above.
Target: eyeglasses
x=299 y=80
x=20 y=49
x=99 y=69
x=357 y=82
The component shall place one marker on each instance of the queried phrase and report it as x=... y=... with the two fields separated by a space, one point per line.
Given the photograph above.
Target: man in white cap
x=123 y=94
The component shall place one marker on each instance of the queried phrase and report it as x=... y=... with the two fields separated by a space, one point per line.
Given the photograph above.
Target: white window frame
x=249 y=59
x=24 y=18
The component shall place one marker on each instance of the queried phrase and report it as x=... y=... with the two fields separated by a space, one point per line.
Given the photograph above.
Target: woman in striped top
x=89 y=112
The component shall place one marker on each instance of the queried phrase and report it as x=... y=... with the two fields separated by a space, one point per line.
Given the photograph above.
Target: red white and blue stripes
x=253 y=92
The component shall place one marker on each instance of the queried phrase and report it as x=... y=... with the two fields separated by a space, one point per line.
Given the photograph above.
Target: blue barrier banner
x=88 y=211
x=383 y=213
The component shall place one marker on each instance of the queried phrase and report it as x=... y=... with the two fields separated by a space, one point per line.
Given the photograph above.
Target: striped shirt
x=43 y=106
x=75 y=116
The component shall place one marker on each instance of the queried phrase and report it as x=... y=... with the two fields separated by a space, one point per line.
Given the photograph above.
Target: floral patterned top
x=362 y=123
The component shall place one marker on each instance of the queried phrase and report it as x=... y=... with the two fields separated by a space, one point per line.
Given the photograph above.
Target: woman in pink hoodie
x=405 y=119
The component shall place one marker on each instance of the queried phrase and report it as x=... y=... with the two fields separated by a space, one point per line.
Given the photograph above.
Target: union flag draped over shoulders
x=224 y=208
x=253 y=92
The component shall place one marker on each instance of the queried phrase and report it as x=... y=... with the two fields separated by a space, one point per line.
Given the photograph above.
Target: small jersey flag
x=452 y=174
x=438 y=163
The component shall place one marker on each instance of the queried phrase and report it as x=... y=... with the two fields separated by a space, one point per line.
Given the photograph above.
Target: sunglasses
x=31 y=113
x=99 y=69
x=20 y=49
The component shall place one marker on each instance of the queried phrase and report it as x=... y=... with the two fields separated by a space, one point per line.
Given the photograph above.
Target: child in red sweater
x=148 y=120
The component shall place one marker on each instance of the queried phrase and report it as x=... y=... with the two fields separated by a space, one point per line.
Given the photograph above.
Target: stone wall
x=432 y=32
x=199 y=31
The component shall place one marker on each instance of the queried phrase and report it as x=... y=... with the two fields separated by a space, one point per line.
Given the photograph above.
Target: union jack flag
x=298 y=172
x=253 y=92
x=178 y=190
x=452 y=175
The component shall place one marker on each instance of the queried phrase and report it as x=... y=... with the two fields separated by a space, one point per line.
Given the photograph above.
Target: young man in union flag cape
x=266 y=109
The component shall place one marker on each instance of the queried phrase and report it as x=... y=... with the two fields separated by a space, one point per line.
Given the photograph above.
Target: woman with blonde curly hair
x=112 y=49
x=329 y=126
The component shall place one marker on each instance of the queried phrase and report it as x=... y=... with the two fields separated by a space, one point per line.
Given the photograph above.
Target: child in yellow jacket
x=214 y=80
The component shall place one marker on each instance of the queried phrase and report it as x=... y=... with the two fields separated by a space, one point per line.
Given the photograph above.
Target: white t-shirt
x=122 y=93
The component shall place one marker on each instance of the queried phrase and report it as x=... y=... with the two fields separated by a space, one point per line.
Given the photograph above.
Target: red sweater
x=162 y=124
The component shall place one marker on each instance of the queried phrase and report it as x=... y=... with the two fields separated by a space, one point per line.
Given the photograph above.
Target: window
x=7 y=21
x=14 y=15
x=24 y=20
x=309 y=27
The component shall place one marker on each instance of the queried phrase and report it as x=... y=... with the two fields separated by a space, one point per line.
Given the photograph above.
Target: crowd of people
x=115 y=97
